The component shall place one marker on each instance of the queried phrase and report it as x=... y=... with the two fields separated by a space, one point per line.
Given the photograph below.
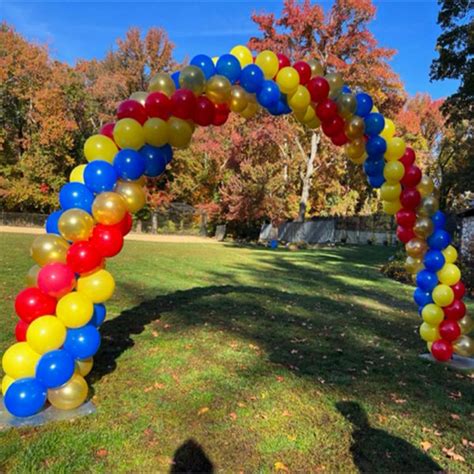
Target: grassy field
x=251 y=361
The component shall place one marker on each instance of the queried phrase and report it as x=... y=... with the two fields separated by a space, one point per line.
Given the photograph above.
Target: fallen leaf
x=233 y=416
x=286 y=413
x=279 y=466
x=455 y=417
x=280 y=378
x=203 y=410
x=452 y=455
x=425 y=446
x=154 y=333
x=101 y=453
x=292 y=437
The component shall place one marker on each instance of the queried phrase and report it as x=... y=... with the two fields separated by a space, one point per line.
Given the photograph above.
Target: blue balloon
x=376 y=181
x=205 y=63
x=99 y=315
x=129 y=164
x=439 y=219
x=155 y=160
x=374 y=123
x=439 y=239
x=55 y=368
x=76 y=195
x=52 y=222
x=283 y=106
x=434 y=260
x=100 y=176
x=422 y=298
x=167 y=152
x=229 y=66
x=269 y=94
x=251 y=78
x=374 y=166
x=175 y=77
x=376 y=146
x=25 y=397
x=426 y=280
x=346 y=89
x=82 y=342
x=364 y=104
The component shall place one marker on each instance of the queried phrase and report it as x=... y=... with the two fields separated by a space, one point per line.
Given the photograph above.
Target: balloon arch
x=62 y=307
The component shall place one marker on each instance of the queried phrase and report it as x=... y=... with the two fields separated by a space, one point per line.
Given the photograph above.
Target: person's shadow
x=375 y=450
x=191 y=458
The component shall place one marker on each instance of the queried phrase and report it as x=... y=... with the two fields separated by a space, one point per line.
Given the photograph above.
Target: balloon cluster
x=62 y=307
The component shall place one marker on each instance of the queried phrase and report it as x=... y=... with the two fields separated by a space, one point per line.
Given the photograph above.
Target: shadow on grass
x=375 y=450
x=190 y=457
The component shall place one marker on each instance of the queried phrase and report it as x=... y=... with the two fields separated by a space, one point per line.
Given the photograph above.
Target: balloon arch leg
x=61 y=309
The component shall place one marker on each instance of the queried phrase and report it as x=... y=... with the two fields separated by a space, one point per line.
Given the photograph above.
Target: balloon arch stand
x=62 y=307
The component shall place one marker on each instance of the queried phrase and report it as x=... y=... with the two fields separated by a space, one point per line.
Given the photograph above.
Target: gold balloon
x=84 y=366
x=466 y=324
x=425 y=186
x=336 y=84
x=423 y=227
x=428 y=206
x=355 y=150
x=314 y=123
x=162 y=82
x=70 y=395
x=192 y=78
x=416 y=247
x=251 y=109
x=355 y=127
x=180 y=132
x=413 y=265
x=305 y=116
x=139 y=96
x=109 y=208
x=464 y=346
x=32 y=276
x=133 y=194
x=75 y=224
x=238 y=99
x=49 y=248
x=346 y=104
x=218 y=89
x=316 y=68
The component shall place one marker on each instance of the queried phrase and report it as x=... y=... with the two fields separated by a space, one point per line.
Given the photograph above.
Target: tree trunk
x=154 y=223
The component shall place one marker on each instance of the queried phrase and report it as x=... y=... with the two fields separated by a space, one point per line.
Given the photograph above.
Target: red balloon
x=283 y=61
x=183 y=102
x=455 y=311
x=132 y=109
x=158 y=105
x=203 y=112
x=405 y=234
x=442 y=350
x=459 y=290
x=410 y=198
x=406 y=218
x=20 y=330
x=408 y=157
x=125 y=225
x=108 y=130
x=221 y=114
x=326 y=110
x=318 y=88
x=31 y=303
x=82 y=257
x=107 y=240
x=411 y=177
x=449 y=330
x=339 y=139
x=56 y=279
x=304 y=70
x=334 y=126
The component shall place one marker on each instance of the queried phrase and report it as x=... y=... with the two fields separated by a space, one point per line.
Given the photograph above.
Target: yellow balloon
x=432 y=314
x=464 y=346
x=19 y=361
x=128 y=133
x=75 y=309
x=316 y=68
x=450 y=254
x=77 y=174
x=466 y=324
x=84 y=366
x=299 y=99
x=133 y=193
x=162 y=82
x=156 y=131
x=389 y=130
x=243 y=54
x=239 y=99
x=267 y=61
x=6 y=382
x=443 y=295
x=336 y=83
x=139 y=96
x=423 y=227
x=32 y=276
x=70 y=395
x=374 y=109
x=393 y=171
x=49 y=248
x=390 y=191
x=395 y=149
x=314 y=123
x=429 y=333
x=288 y=80
x=391 y=207
x=109 y=208
x=250 y=111
x=218 y=89
x=449 y=274
x=416 y=247
x=413 y=265
x=306 y=115
x=75 y=224
x=98 y=286
x=180 y=132
x=429 y=345
x=45 y=334
x=215 y=59
x=193 y=79
x=425 y=186
x=100 y=147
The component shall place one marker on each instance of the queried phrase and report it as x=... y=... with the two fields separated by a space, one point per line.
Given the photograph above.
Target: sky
x=88 y=29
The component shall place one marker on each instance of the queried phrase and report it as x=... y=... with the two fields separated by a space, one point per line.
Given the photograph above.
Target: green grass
x=267 y=359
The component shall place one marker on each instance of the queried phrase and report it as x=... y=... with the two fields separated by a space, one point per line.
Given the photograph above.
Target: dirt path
x=175 y=239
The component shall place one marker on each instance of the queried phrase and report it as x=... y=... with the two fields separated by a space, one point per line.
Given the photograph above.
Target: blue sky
x=88 y=29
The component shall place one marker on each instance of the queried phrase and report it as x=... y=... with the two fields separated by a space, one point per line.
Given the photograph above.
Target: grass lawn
x=266 y=360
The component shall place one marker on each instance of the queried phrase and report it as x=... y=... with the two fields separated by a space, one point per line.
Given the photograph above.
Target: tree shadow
x=375 y=450
x=190 y=457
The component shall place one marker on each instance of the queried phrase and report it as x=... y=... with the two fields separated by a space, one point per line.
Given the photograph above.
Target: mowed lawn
x=255 y=361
